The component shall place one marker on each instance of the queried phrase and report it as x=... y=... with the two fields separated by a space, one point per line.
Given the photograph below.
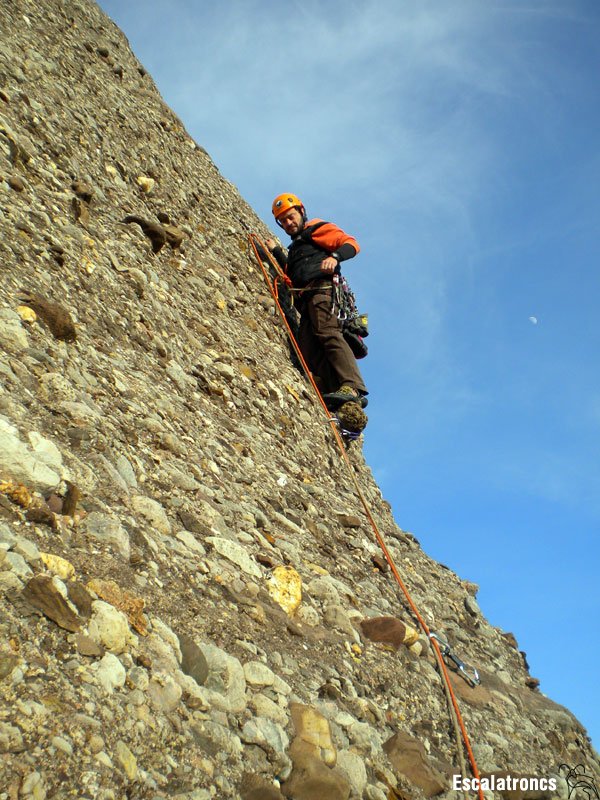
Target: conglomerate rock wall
x=168 y=486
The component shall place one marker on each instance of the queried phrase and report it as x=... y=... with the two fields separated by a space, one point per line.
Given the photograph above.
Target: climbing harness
x=259 y=247
x=468 y=672
x=353 y=325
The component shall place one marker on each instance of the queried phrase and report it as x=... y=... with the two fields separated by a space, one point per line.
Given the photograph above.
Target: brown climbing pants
x=322 y=342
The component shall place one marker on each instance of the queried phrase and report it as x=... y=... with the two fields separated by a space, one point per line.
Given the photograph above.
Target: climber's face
x=292 y=221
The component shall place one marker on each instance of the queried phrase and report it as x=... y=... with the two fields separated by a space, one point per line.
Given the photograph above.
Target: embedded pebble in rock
x=389 y=630
x=235 y=553
x=7 y=537
x=62 y=744
x=152 y=511
x=168 y=636
x=215 y=738
x=55 y=388
x=13 y=337
x=265 y=733
x=209 y=515
x=288 y=524
x=21 y=463
x=45 y=450
x=33 y=786
x=285 y=587
x=163 y=463
x=193 y=660
x=313 y=728
x=375 y=793
x=258 y=675
x=113 y=473
x=179 y=376
x=350 y=520
x=110 y=673
x=80 y=413
x=189 y=540
x=27 y=549
x=263 y=706
x=365 y=739
x=308 y=615
x=182 y=481
x=281 y=687
x=164 y=692
x=161 y=653
x=108 y=530
x=18 y=565
x=7 y=664
x=336 y=616
x=87 y=646
x=127 y=760
x=472 y=606
x=225 y=687
x=138 y=678
x=354 y=767
x=11 y=738
x=345 y=720
x=49 y=595
x=10 y=584
x=126 y=471
x=409 y=756
x=57 y=565
x=484 y=755
x=109 y=627
x=322 y=589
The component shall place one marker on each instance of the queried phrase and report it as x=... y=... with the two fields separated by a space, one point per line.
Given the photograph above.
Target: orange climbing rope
x=258 y=245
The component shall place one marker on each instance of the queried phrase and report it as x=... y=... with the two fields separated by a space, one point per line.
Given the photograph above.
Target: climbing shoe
x=351 y=418
x=343 y=395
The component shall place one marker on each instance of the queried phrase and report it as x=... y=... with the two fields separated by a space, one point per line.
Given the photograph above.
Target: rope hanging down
x=259 y=248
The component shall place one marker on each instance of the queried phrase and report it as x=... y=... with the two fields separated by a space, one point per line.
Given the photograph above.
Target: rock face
x=163 y=467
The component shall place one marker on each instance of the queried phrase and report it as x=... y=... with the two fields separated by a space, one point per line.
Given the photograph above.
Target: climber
x=313 y=258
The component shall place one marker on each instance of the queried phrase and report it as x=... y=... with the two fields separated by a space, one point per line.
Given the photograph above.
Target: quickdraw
x=349 y=436
x=468 y=672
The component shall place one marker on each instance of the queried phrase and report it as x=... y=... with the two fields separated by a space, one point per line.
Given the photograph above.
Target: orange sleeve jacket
x=316 y=241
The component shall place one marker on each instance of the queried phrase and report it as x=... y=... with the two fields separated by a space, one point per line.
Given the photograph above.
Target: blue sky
x=459 y=143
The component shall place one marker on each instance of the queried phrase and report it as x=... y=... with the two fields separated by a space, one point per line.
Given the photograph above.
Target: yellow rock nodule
x=58 y=566
x=285 y=587
x=27 y=314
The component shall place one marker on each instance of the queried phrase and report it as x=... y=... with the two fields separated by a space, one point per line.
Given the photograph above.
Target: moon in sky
x=533 y=320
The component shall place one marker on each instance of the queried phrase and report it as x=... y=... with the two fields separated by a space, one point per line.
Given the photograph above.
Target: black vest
x=305 y=257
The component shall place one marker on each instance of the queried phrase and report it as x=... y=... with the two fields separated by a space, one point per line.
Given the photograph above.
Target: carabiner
x=468 y=672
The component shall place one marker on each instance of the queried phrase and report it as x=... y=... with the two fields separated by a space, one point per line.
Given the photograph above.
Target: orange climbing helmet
x=283 y=203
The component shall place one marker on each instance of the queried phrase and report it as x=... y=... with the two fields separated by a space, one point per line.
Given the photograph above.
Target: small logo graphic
x=577 y=778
